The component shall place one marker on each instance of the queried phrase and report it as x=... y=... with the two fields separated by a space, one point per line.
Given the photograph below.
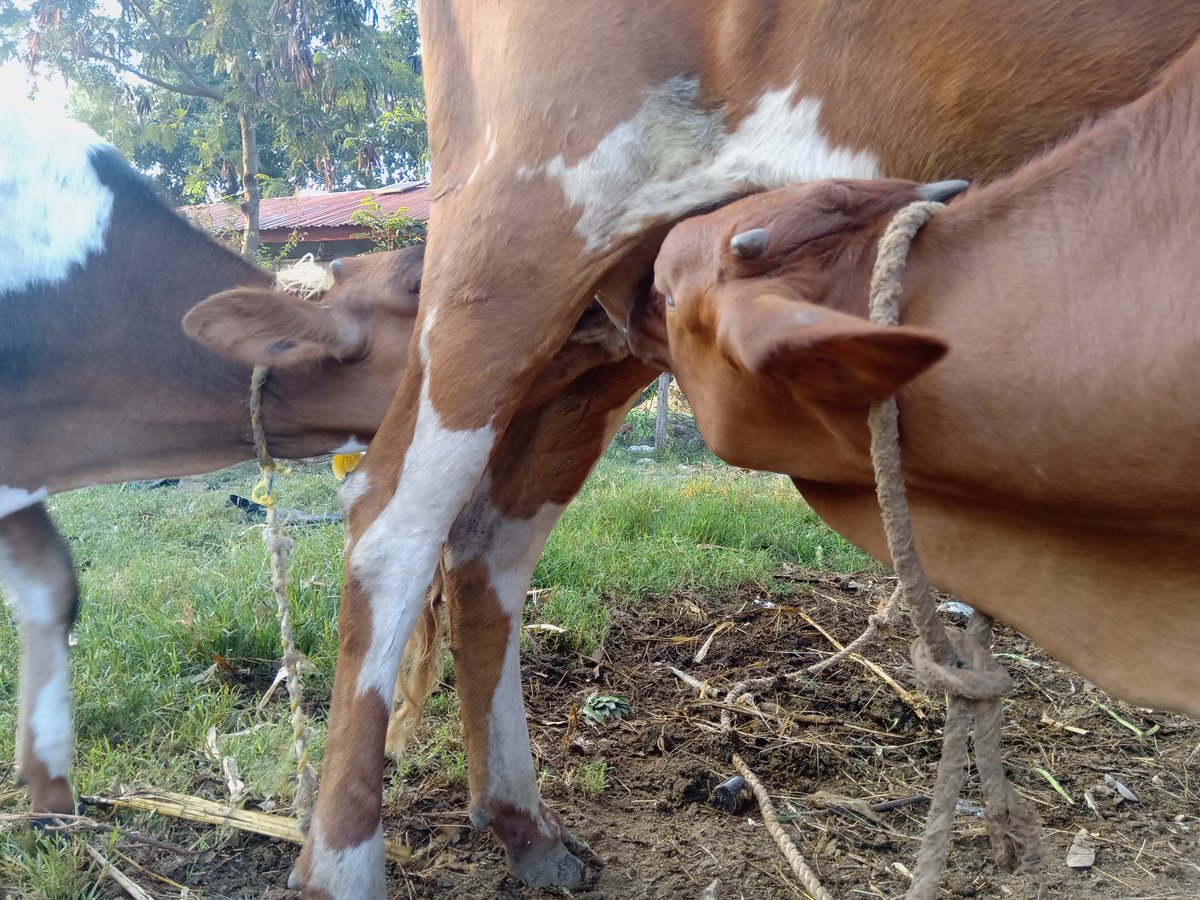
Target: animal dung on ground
x=732 y=796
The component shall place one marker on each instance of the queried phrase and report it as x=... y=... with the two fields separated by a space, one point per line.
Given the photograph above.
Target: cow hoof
x=297 y=882
x=582 y=850
x=51 y=800
x=558 y=867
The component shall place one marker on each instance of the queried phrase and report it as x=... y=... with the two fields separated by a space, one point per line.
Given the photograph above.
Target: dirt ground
x=845 y=733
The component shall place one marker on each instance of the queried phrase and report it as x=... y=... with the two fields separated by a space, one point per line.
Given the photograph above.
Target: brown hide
x=565 y=139
x=1051 y=459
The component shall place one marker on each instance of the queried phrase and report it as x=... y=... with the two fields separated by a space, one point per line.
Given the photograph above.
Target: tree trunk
x=660 y=423
x=251 y=190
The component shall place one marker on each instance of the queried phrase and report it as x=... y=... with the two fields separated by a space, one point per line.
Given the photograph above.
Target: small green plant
x=388 y=231
x=602 y=708
x=274 y=259
x=593 y=778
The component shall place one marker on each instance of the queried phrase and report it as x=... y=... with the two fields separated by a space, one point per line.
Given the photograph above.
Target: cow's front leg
x=539 y=464
x=39 y=579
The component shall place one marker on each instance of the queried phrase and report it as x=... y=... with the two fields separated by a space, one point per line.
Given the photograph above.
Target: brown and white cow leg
x=537 y=467
x=488 y=564
x=37 y=575
x=423 y=468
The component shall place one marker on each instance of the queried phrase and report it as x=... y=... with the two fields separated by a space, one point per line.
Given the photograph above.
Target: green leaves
x=603 y=708
x=165 y=81
x=387 y=232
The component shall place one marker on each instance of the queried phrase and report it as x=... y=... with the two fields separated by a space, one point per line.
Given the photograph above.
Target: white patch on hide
x=673 y=157
x=355 y=485
x=50 y=722
x=355 y=873
x=395 y=557
x=354 y=445
x=14 y=498
x=31 y=600
x=54 y=210
x=491 y=154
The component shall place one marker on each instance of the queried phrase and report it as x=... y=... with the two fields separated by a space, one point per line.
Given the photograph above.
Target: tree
x=662 y=418
x=239 y=95
x=387 y=232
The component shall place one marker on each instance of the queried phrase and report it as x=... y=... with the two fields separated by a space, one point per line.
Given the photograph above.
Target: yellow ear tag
x=345 y=463
x=264 y=492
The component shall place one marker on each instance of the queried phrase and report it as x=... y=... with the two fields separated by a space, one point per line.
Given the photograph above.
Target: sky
x=15 y=82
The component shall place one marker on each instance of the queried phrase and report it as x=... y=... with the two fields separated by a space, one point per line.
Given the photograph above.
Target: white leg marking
x=395 y=557
x=54 y=210
x=15 y=498
x=31 y=600
x=356 y=872
x=53 y=731
x=512 y=554
x=673 y=157
x=43 y=627
x=511 y=548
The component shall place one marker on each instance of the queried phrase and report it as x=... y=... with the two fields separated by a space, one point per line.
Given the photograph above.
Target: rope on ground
x=795 y=859
x=879 y=621
x=280 y=548
x=956 y=662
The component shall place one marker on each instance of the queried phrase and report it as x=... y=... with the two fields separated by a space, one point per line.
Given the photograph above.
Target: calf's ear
x=258 y=326
x=822 y=353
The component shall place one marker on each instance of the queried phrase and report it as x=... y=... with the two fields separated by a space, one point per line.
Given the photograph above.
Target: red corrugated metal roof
x=313 y=212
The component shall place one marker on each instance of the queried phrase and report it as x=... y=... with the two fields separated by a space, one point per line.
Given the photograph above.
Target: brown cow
x=99 y=383
x=1051 y=460
x=565 y=142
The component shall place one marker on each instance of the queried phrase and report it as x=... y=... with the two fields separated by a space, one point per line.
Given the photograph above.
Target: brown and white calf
x=1051 y=459
x=99 y=383
x=565 y=142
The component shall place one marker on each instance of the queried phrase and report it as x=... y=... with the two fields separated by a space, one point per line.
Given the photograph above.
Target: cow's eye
x=670 y=301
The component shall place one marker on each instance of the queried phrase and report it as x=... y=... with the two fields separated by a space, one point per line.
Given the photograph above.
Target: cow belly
x=1120 y=605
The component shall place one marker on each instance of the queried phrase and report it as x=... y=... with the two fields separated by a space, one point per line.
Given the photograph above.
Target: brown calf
x=565 y=142
x=1051 y=459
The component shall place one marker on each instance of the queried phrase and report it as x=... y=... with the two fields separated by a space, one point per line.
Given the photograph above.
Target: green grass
x=593 y=778
x=171 y=576
x=656 y=530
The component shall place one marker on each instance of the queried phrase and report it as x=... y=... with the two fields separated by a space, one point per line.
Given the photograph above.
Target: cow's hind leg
x=39 y=579
x=424 y=466
x=537 y=467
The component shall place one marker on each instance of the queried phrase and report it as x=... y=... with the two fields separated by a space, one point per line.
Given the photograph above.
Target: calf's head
x=336 y=359
x=759 y=309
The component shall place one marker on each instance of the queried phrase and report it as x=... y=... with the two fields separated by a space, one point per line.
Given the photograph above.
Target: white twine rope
x=280 y=548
